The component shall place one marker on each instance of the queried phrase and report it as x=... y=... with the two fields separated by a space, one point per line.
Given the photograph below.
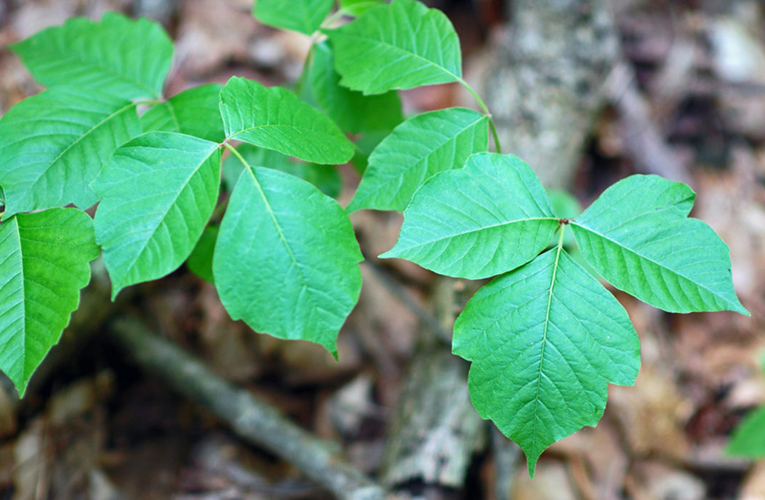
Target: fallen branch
x=251 y=419
x=434 y=430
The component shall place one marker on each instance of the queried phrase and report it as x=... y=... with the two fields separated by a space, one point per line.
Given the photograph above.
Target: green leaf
x=416 y=150
x=54 y=144
x=485 y=219
x=286 y=261
x=352 y=111
x=124 y=58
x=638 y=237
x=201 y=258
x=399 y=46
x=274 y=118
x=545 y=340
x=748 y=439
x=45 y=258
x=159 y=190
x=192 y=112
x=304 y=16
x=357 y=7
x=324 y=177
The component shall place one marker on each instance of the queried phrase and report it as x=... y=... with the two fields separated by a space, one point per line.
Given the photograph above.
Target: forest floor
x=97 y=426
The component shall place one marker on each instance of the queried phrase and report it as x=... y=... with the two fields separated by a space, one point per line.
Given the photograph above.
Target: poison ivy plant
x=640 y=223
x=545 y=338
x=282 y=224
x=479 y=221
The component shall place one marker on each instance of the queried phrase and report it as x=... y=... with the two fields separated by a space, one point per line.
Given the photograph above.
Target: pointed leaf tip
x=525 y=334
x=46 y=258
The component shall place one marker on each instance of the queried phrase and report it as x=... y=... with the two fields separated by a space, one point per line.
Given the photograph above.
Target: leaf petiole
x=333 y=18
x=485 y=110
x=314 y=40
x=562 y=227
x=238 y=155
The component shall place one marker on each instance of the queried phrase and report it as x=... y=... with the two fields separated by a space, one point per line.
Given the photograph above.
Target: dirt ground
x=95 y=425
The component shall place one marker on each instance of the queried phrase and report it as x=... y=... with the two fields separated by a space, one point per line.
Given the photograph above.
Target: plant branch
x=250 y=418
x=486 y=112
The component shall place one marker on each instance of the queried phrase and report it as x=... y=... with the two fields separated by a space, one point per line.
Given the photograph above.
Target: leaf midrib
x=406 y=52
x=482 y=228
x=24 y=295
x=77 y=141
x=178 y=193
x=279 y=231
x=447 y=140
x=544 y=338
x=301 y=129
x=658 y=264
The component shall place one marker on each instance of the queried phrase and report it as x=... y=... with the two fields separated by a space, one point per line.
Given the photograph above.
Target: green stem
x=485 y=111
x=314 y=39
x=236 y=153
x=334 y=17
x=560 y=238
x=148 y=102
